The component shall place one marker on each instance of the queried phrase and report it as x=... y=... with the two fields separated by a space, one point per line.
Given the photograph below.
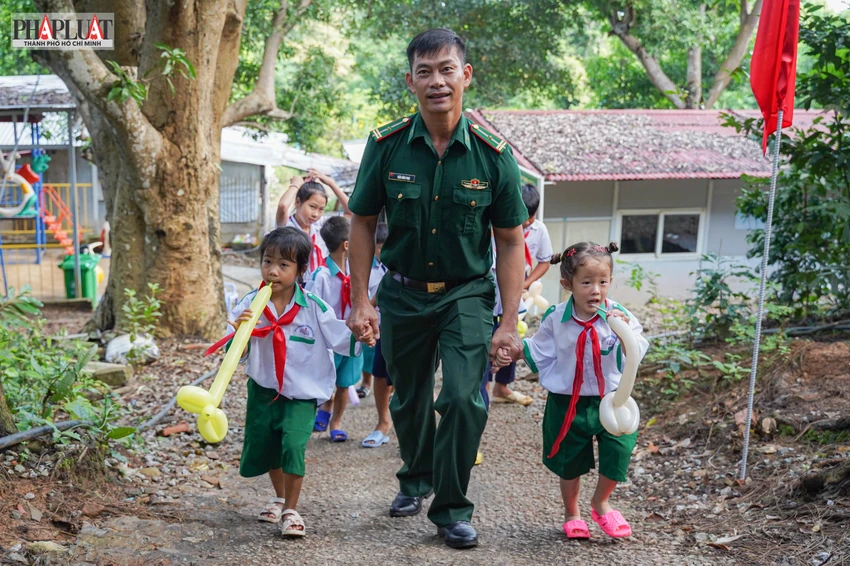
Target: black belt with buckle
x=429 y=286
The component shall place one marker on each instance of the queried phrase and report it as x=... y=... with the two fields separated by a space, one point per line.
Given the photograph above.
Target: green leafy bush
x=43 y=378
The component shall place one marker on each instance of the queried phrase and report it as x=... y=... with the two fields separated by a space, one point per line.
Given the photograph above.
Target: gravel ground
x=345 y=499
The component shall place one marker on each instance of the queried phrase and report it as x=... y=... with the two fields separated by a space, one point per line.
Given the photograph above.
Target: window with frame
x=660 y=232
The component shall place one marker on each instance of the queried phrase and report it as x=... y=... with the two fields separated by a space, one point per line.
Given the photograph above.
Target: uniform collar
x=461 y=133
x=332 y=266
x=300 y=299
x=568 y=311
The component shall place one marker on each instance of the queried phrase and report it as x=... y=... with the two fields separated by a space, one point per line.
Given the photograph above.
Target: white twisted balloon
x=618 y=412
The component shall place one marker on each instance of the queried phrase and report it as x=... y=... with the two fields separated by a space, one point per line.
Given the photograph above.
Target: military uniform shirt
x=439 y=208
x=552 y=351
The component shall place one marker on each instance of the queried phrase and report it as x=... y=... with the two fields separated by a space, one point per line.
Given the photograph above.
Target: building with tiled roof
x=663 y=184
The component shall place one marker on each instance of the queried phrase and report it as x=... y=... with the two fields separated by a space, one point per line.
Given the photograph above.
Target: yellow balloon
x=212 y=422
x=522 y=328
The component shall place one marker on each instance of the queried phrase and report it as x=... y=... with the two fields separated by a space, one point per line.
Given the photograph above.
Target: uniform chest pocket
x=403 y=206
x=469 y=208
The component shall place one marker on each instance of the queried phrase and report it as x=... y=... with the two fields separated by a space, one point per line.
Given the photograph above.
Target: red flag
x=773 y=71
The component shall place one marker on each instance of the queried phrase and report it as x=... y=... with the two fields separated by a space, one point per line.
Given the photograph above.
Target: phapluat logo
x=63 y=31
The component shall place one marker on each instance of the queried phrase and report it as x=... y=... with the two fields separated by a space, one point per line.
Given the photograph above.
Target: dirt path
x=345 y=500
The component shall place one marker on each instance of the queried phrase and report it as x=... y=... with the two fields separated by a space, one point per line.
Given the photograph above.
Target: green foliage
x=638 y=277
x=125 y=86
x=714 y=306
x=42 y=378
x=811 y=224
x=174 y=60
x=619 y=80
x=140 y=317
x=16 y=61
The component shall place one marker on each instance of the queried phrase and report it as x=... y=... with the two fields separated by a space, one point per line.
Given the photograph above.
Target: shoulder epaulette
x=549 y=311
x=317 y=300
x=490 y=139
x=393 y=127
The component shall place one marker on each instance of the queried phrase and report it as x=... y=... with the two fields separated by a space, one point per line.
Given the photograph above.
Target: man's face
x=438 y=80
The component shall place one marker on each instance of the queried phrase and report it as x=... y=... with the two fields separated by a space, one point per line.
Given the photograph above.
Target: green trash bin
x=88 y=277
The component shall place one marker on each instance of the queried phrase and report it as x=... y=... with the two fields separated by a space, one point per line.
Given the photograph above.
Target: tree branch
x=620 y=26
x=262 y=99
x=739 y=49
x=87 y=76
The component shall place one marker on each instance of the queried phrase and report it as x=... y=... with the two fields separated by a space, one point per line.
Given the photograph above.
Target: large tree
x=157 y=150
x=715 y=35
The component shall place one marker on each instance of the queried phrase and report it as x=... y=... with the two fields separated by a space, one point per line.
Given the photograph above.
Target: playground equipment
x=212 y=422
x=618 y=411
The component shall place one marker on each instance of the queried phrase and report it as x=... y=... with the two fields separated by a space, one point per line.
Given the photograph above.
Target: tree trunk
x=694 y=97
x=7 y=423
x=159 y=162
x=742 y=44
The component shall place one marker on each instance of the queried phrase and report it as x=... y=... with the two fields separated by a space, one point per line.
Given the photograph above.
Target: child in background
x=377 y=273
x=574 y=339
x=538 y=246
x=310 y=199
x=290 y=369
x=378 y=367
x=332 y=283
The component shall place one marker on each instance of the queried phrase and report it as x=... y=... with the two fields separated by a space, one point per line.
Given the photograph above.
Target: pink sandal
x=612 y=524
x=576 y=529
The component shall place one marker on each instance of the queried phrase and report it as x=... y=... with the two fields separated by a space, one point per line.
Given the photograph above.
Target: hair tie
x=601 y=249
x=570 y=252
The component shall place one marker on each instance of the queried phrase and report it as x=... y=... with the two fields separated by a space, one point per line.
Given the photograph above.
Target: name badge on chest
x=404 y=177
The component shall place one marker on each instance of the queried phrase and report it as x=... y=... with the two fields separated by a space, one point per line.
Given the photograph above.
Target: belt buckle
x=436 y=286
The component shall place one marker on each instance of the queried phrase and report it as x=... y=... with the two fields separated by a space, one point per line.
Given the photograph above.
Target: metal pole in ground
x=72 y=168
x=762 y=284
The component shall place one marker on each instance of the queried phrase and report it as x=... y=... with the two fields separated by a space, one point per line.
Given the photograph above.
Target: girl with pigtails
x=580 y=359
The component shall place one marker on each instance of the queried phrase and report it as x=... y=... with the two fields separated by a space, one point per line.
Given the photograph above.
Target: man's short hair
x=335 y=231
x=432 y=41
x=531 y=199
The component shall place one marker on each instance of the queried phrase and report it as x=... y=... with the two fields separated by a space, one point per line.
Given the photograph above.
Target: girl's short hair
x=576 y=255
x=292 y=244
x=309 y=189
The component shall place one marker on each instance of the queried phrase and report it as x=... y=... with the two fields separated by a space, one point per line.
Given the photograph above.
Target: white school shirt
x=552 y=351
x=375 y=276
x=310 y=340
x=538 y=242
x=329 y=287
x=497 y=308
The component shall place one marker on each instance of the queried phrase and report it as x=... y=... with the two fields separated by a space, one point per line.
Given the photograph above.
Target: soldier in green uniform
x=444 y=182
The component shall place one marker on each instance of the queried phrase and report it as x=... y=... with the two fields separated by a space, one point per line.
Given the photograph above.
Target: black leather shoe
x=459 y=534
x=407 y=505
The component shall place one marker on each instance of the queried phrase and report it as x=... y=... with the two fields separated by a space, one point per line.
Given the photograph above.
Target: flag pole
x=762 y=284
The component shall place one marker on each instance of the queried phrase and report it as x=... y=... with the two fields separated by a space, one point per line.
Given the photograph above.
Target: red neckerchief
x=345 y=291
x=316 y=258
x=579 y=375
x=527 y=251
x=278 y=339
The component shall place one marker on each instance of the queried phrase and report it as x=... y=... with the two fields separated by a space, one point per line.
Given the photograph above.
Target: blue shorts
x=379 y=366
x=347 y=370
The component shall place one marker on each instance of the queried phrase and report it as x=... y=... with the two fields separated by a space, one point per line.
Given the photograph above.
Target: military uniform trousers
x=417 y=329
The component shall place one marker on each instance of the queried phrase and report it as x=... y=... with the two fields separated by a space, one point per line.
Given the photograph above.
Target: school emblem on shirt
x=474 y=184
x=609 y=342
x=404 y=177
x=303 y=333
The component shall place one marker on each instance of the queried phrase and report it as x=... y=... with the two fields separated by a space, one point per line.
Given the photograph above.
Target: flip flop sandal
x=338 y=435
x=514 y=397
x=271 y=513
x=322 y=419
x=612 y=524
x=374 y=440
x=291 y=523
x=363 y=392
x=576 y=529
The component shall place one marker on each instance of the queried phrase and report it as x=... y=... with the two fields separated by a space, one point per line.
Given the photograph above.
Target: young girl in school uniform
x=291 y=370
x=310 y=199
x=580 y=359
